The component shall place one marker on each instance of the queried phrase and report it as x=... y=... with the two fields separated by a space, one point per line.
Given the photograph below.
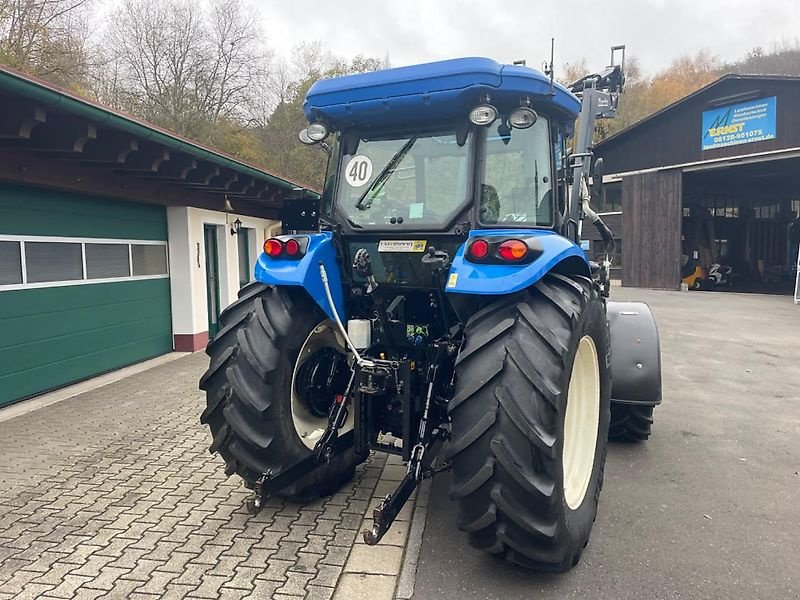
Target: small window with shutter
x=149 y=259
x=10 y=263
x=107 y=260
x=53 y=261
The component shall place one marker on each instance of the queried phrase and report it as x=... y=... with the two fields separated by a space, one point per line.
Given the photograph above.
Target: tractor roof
x=433 y=92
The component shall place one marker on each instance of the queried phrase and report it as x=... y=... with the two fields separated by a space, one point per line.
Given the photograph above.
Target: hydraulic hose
x=605 y=233
x=360 y=360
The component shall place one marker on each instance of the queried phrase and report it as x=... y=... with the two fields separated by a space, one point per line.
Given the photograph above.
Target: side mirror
x=303 y=136
x=597 y=175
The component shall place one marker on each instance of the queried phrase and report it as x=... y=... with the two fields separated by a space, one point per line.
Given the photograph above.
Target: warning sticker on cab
x=402 y=245
x=452 y=280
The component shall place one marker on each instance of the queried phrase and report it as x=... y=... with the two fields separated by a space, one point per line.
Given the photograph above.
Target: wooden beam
x=201 y=176
x=256 y=188
x=745 y=188
x=223 y=181
x=241 y=183
x=147 y=160
x=272 y=193
x=111 y=148
x=176 y=169
x=252 y=190
x=239 y=201
x=219 y=184
x=19 y=118
x=62 y=134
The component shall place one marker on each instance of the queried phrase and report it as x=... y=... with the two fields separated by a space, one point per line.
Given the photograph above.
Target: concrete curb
x=377 y=572
x=408 y=573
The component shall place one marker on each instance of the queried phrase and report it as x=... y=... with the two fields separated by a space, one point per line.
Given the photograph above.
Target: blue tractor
x=435 y=304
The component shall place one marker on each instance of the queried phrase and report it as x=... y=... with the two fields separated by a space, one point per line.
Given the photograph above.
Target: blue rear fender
x=305 y=272
x=556 y=252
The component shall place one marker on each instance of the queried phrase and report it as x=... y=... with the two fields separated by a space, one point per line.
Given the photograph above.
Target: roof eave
x=56 y=97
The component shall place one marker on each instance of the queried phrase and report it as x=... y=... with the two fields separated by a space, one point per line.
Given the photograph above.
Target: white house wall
x=187 y=260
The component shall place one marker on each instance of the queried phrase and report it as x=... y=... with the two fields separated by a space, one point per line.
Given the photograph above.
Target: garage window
x=41 y=261
x=10 y=263
x=149 y=259
x=107 y=260
x=53 y=261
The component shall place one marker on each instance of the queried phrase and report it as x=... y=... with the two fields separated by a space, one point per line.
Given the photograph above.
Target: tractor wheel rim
x=581 y=423
x=308 y=426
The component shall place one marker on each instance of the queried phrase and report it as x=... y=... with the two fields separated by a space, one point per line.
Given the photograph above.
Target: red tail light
x=479 y=249
x=292 y=247
x=513 y=250
x=273 y=247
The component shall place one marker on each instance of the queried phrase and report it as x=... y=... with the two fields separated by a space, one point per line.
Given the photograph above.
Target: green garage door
x=84 y=288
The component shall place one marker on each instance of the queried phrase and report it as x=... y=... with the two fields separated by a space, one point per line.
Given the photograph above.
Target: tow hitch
x=386 y=512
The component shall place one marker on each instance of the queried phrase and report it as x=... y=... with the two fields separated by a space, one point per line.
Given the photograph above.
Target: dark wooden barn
x=709 y=185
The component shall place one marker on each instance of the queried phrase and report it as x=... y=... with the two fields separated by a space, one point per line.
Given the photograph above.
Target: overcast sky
x=412 y=31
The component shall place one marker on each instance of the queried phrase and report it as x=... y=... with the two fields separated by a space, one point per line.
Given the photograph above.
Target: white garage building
x=115 y=243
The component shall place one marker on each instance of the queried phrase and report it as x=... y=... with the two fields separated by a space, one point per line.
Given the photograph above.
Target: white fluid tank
x=360 y=333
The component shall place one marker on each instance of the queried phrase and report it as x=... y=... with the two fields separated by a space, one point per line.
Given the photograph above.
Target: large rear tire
x=249 y=384
x=630 y=422
x=530 y=419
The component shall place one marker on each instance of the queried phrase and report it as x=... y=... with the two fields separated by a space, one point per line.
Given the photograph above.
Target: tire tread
x=503 y=445
x=630 y=422
x=247 y=428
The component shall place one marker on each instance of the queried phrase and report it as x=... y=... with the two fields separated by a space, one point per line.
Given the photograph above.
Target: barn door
x=651 y=229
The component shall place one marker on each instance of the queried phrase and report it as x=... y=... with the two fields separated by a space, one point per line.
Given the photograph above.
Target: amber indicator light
x=513 y=250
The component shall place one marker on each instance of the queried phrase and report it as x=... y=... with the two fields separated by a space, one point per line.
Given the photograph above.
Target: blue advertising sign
x=743 y=123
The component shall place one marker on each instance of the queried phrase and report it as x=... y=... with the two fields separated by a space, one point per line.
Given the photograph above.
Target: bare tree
x=270 y=89
x=783 y=59
x=281 y=150
x=157 y=53
x=44 y=37
x=185 y=68
x=237 y=60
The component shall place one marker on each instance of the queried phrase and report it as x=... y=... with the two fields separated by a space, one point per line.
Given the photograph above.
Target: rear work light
x=273 y=247
x=483 y=115
x=513 y=250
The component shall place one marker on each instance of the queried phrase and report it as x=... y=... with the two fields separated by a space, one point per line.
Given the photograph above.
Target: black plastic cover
x=635 y=354
x=300 y=213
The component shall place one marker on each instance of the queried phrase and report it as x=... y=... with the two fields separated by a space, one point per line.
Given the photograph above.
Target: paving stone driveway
x=113 y=494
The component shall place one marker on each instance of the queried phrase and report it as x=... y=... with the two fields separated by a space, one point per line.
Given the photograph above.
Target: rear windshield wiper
x=385 y=172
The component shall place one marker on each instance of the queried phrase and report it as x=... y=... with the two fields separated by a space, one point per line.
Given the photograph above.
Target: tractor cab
x=429 y=156
x=443 y=148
